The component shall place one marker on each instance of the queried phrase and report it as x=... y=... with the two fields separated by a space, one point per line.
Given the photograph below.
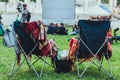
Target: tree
x=118 y=3
x=33 y=0
x=105 y=1
x=22 y=0
x=3 y=0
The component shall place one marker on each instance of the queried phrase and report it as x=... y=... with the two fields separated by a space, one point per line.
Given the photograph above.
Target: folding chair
x=93 y=45
x=29 y=46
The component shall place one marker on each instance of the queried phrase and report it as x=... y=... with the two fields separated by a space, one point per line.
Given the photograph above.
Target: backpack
x=64 y=66
x=9 y=39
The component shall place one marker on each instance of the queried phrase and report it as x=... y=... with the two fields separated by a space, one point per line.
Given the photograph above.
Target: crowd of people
x=54 y=28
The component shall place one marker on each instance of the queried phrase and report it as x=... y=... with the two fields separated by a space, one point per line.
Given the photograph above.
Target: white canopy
x=97 y=11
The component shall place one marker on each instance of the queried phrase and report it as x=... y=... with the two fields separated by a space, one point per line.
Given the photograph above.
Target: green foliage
x=21 y=0
x=118 y=3
x=3 y=0
x=33 y=0
x=105 y=1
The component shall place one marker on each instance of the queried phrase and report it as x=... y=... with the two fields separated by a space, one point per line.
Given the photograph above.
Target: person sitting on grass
x=61 y=29
x=51 y=29
x=75 y=30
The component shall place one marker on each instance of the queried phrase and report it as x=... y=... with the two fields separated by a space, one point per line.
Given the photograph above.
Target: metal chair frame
x=99 y=65
x=30 y=65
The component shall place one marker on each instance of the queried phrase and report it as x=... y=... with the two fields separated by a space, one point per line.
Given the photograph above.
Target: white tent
x=98 y=10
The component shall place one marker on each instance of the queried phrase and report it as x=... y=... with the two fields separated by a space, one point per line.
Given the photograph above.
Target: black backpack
x=62 y=65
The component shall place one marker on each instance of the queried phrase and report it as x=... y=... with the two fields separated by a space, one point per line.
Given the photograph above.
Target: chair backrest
x=30 y=34
x=93 y=33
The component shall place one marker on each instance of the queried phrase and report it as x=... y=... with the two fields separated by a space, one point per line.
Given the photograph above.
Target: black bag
x=63 y=65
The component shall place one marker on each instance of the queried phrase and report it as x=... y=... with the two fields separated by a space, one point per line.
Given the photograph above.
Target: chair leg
x=27 y=59
x=43 y=66
x=94 y=56
x=42 y=60
x=85 y=70
x=24 y=54
x=101 y=64
x=78 y=67
x=13 y=71
x=13 y=66
x=36 y=60
x=109 y=67
x=30 y=64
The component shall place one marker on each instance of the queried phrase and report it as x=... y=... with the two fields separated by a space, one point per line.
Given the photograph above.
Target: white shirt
x=24 y=15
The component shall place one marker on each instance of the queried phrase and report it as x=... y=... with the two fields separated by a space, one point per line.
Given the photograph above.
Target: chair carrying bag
x=63 y=66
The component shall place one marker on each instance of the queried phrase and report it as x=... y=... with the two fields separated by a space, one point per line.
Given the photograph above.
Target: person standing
x=25 y=14
x=1 y=27
x=0 y=19
x=19 y=7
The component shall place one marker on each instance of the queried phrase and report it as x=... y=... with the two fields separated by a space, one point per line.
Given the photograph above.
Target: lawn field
x=7 y=58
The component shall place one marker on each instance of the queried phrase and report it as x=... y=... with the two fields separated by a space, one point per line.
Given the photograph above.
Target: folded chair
x=32 y=40
x=93 y=44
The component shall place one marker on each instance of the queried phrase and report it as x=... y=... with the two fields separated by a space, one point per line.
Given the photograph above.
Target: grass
x=7 y=57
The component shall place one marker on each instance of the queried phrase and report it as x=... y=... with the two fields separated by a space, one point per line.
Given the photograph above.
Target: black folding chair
x=93 y=45
x=29 y=47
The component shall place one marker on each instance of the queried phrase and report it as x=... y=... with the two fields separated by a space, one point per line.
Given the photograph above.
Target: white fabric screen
x=58 y=10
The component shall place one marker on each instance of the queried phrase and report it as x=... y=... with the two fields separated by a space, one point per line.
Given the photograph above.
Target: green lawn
x=7 y=57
